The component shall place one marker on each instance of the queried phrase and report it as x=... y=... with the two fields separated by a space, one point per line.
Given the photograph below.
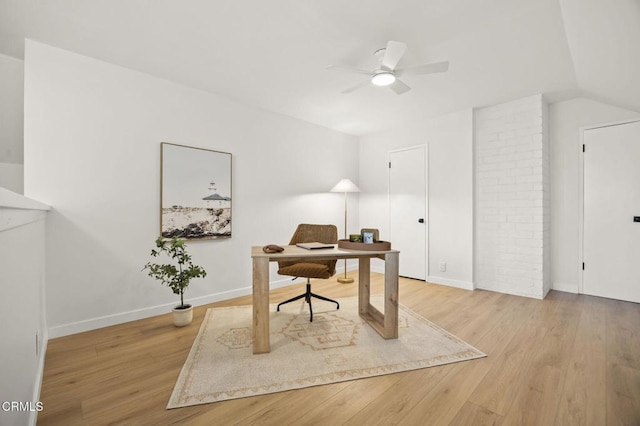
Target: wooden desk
x=385 y=324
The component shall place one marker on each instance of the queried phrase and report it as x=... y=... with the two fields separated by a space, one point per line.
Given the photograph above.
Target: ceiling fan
x=387 y=74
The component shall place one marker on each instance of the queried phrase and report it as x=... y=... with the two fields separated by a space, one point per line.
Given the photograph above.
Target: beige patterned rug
x=337 y=346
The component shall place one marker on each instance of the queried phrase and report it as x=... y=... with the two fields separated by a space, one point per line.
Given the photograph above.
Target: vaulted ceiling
x=273 y=54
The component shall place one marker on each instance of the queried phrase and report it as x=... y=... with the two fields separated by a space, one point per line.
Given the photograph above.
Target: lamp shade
x=345 y=185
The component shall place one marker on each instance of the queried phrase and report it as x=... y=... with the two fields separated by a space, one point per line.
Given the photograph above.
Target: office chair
x=305 y=233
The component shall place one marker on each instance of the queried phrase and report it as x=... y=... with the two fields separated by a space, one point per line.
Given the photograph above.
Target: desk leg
x=261 y=305
x=391 y=295
x=364 y=290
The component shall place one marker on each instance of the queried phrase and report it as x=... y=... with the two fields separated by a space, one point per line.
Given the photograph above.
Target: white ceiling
x=273 y=54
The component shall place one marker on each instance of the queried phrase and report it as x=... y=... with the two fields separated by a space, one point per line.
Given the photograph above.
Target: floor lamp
x=346 y=186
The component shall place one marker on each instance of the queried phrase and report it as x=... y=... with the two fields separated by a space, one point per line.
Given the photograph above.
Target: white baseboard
x=123 y=317
x=513 y=292
x=465 y=285
x=566 y=287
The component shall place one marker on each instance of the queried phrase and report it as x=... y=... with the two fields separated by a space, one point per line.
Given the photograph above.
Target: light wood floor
x=567 y=360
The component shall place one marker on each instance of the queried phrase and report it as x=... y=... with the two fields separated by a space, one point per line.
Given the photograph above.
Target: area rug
x=337 y=346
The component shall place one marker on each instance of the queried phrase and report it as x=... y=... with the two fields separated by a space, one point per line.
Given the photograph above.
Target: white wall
x=450 y=144
x=92 y=150
x=566 y=119
x=23 y=333
x=11 y=123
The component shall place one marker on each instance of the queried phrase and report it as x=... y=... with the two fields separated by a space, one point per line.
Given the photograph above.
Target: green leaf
x=178 y=274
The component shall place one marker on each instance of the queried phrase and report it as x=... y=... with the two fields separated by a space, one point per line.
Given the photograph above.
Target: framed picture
x=195 y=192
x=369 y=235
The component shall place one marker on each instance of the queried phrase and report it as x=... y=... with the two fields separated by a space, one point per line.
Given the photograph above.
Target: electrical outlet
x=443 y=266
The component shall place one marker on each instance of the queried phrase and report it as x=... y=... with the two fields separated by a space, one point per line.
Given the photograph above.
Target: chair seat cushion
x=307 y=270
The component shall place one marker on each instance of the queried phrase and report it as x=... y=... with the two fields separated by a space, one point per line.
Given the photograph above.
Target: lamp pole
x=345 y=279
x=346 y=186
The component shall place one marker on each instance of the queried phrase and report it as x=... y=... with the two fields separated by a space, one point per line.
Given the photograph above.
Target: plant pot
x=182 y=315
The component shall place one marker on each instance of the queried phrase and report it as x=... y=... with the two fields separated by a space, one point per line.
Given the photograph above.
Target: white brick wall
x=512 y=197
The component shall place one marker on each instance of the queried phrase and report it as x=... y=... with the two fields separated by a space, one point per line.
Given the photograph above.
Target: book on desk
x=315 y=246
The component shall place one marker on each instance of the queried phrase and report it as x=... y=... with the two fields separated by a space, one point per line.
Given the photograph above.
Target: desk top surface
x=298 y=252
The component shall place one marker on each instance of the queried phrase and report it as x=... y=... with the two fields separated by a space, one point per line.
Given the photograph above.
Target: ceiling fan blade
x=392 y=54
x=356 y=87
x=399 y=87
x=431 y=68
x=348 y=69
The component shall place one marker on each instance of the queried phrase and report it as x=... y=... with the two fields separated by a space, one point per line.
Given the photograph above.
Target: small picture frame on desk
x=369 y=235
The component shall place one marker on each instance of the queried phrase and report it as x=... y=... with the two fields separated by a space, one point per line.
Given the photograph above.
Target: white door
x=611 y=232
x=408 y=209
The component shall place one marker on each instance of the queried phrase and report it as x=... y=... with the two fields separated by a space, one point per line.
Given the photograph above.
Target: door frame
x=426 y=199
x=581 y=195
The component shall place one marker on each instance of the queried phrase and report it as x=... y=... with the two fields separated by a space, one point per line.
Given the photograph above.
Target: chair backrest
x=307 y=233
x=310 y=233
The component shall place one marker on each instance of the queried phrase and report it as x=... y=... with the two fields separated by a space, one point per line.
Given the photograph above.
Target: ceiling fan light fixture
x=383 y=79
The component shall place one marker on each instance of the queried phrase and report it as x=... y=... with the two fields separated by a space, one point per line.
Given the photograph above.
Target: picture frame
x=369 y=235
x=195 y=192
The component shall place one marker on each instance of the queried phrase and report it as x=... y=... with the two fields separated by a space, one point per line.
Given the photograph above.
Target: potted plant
x=176 y=275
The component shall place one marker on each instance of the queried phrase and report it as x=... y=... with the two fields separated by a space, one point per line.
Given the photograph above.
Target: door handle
x=421 y=220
